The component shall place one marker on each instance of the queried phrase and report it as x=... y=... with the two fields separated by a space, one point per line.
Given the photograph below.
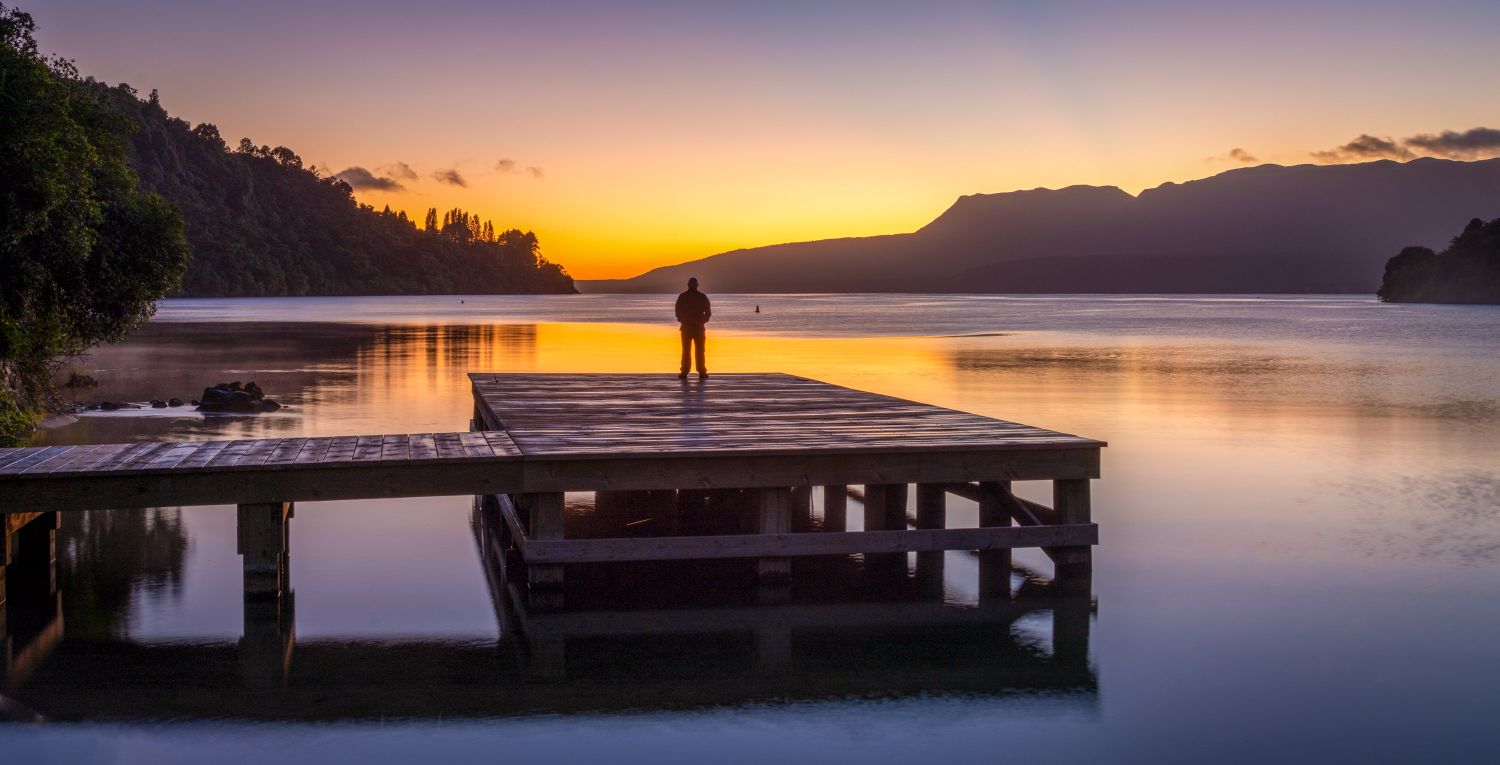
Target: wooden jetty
x=536 y=437
x=775 y=434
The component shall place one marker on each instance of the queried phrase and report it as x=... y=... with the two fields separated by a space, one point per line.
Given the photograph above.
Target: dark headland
x=1468 y=271
x=1271 y=228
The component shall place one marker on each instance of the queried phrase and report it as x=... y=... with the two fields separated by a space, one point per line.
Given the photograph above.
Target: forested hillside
x=260 y=223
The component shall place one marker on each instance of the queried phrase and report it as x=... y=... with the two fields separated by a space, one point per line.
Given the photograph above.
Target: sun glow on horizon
x=631 y=138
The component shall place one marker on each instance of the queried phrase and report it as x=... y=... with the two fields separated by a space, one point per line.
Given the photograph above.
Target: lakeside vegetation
x=85 y=252
x=108 y=203
x=260 y=223
x=1468 y=271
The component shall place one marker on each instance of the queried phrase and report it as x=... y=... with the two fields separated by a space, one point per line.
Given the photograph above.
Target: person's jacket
x=692 y=309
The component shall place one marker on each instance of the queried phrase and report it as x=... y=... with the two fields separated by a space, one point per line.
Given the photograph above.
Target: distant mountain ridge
x=1270 y=228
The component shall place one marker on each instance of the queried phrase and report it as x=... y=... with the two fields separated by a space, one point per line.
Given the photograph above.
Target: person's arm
x=677 y=309
x=707 y=310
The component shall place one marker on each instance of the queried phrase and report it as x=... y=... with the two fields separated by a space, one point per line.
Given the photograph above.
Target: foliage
x=1467 y=272
x=262 y=223
x=84 y=253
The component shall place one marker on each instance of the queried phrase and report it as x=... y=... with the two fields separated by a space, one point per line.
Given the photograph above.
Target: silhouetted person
x=692 y=313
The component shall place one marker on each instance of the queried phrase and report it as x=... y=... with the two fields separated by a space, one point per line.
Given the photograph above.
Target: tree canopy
x=1467 y=272
x=84 y=252
x=262 y=222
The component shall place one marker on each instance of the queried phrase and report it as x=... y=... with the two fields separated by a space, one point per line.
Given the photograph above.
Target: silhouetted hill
x=259 y=223
x=1467 y=272
x=1304 y=228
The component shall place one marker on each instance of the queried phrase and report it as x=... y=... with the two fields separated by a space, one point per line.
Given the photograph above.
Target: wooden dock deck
x=535 y=437
x=779 y=435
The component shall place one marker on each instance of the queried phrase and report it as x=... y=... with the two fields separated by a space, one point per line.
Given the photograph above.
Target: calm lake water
x=1299 y=557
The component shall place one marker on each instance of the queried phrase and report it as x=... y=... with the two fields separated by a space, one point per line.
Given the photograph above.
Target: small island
x=1467 y=272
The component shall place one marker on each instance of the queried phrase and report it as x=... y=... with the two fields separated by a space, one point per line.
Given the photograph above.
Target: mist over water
x=1299 y=532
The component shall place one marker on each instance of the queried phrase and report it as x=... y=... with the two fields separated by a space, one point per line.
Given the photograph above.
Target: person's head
x=693 y=283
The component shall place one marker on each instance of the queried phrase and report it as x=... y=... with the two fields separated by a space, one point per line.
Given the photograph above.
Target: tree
x=430 y=224
x=84 y=253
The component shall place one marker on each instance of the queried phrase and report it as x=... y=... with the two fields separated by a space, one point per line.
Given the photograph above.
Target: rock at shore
x=236 y=398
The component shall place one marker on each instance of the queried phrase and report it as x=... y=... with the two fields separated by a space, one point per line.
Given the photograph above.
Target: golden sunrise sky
x=666 y=131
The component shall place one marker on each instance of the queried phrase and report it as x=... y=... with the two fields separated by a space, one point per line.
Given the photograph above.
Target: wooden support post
x=932 y=513
x=775 y=517
x=801 y=510
x=885 y=510
x=885 y=507
x=1073 y=567
x=835 y=508
x=264 y=542
x=545 y=581
x=994 y=565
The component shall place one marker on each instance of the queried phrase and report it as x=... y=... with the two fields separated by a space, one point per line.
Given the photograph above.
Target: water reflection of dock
x=721 y=649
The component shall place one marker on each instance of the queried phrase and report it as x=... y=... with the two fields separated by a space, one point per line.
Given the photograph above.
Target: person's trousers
x=692 y=336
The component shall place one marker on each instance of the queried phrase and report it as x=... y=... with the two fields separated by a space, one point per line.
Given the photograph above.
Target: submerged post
x=1073 y=566
x=775 y=517
x=544 y=581
x=932 y=513
x=994 y=565
x=263 y=539
x=835 y=507
x=885 y=510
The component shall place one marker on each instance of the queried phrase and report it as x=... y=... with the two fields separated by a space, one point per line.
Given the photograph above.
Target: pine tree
x=430 y=224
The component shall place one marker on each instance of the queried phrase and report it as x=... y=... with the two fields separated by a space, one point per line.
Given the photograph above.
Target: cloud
x=359 y=178
x=1470 y=144
x=1366 y=146
x=536 y=172
x=400 y=170
x=450 y=177
x=506 y=166
x=1234 y=155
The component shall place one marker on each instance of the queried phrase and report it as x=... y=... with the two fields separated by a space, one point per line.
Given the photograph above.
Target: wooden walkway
x=110 y=476
x=536 y=436
x=775 y=434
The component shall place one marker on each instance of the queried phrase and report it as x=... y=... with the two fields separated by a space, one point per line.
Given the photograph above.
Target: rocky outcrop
x=236 y=398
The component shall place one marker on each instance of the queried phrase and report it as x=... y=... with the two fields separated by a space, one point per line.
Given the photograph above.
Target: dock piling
x=264 y=543
x=1073 y=566
x=994 y=564
x=775 y=518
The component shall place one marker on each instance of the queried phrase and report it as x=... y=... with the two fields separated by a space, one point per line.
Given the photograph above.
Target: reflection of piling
x=31 y=619
x=269 y=634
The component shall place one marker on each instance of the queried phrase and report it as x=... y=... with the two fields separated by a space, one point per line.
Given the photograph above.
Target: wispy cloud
x=508 y=165
x=359 y=178
x=1470 y=144
x=400 y=170
x=1474 y=143
x=1366 y=146
x=1233 y=155
x=450 y=177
